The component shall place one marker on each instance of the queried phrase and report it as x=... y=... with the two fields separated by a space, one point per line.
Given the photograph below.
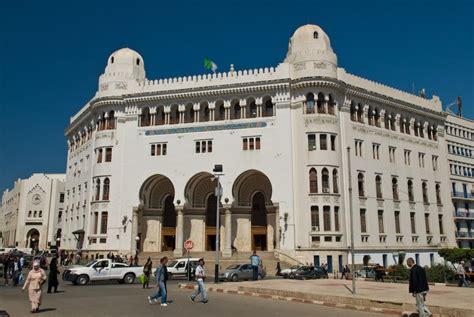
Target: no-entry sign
x=188 y=245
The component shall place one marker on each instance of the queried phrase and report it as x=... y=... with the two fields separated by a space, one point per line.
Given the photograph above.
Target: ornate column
x=228 y=232
x=227 y=109
x=277 y=226
x=326 y=101
x=397 y=123
x=153 y=116
x=134 y=229
x=197 y=108
x=243 y=108
x=365 y=115
x=178 y=250
x=258 y=103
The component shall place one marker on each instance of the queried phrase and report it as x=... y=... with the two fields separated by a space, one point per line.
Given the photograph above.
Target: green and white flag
x=209 y=64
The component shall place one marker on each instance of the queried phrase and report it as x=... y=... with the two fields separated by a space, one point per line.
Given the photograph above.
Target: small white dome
x=310 y=43
x=126 y=56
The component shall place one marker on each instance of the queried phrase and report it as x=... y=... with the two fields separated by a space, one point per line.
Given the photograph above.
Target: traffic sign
x=188 y=245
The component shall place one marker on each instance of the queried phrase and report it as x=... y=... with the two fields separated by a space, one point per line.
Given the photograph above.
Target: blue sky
x=52 y=53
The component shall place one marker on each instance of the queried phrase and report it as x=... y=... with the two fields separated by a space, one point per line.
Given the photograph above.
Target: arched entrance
x=259 y=222
x=32 y=239
x=158 y=215
x=201 y=202
x=252 y=191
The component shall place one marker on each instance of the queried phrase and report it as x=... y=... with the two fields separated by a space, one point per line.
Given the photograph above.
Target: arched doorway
x=32 y=239
x=252 y=191
x=201 y=202
x=168 y=230
x=259 y=222
x=158 y=216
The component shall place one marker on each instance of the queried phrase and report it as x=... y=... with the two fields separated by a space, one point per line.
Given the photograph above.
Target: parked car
x=366 y=272
x=301 y=269
x=286 y=272
x=309 y=273
x=100 y=270
x=238 y=272
x=179 y=267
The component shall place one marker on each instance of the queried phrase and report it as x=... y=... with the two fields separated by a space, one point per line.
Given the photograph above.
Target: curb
x=386 y=311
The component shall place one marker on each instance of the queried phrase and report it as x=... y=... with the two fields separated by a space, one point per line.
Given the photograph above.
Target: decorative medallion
x=36 y=199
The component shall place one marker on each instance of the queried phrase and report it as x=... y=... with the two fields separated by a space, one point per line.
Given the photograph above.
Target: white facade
x=281 y=134
x=29 y=211
x=460 y=146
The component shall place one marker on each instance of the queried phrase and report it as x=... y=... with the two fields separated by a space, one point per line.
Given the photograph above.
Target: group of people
x=161 y=276
x=462 y=271
x=131 y=261
x=12 y=268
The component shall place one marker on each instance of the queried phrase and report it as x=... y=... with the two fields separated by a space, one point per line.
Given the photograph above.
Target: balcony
x=465 y=235
x=462 y=195
x=464 y=214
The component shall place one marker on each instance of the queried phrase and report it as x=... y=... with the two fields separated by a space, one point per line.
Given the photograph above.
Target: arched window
x=34 y=214
x=392 y=123
x=138 y=61
x=325 y=180
x=111 y=120
x=309 y=103
x=97 y=189
x=370 y=116
x=438 y=194
x=331 y=105
x=313 y=181
x=320 y=103
x=395 y=189
x=268 y=109
x=174 y=114
x=40 y=214
x=387 y=121
x=435 y=135
x=360 y=184
x=189 y=116
x=145 y=117
x=315 y=35
x=335 y=187
x=237 y=111
x=253 y=110
x=353 y=112
x=377 y=117
x=424 y=189
x=112 y=60
x=360 y=113
x=411 y=197
x=378 y=186
x=106 y=189
x=402 y=124
x=29 y=214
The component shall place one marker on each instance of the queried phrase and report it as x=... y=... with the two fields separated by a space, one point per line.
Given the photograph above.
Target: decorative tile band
x=219 y=127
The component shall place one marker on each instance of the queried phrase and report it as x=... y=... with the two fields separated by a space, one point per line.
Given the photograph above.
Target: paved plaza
x=124 y=300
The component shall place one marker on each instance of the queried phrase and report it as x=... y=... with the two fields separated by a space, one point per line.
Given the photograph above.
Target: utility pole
x=217 y=173
x=351 y=224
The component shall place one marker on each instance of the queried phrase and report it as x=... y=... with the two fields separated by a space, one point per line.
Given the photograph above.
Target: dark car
x=308 y=273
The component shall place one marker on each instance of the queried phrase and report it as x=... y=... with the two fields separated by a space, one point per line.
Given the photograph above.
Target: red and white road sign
x=188 y=245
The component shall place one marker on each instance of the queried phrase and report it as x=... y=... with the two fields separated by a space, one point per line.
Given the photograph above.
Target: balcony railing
x=464 y=214
x=463 y=195
x=464 y=234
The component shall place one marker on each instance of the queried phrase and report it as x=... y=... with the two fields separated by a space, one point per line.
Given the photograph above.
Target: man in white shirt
x=200 y=277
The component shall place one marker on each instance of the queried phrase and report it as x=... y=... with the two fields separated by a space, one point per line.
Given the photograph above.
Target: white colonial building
x=141 y=155
x=460 y=146
x=29 y=212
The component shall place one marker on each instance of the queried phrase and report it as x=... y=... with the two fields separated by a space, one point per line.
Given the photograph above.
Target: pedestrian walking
x=146 y=272
x=278 y=269
x=5 y=270
x=34 y=282
x=461 y=272
x=418 y=287
x=160 y=279
x=254 y=262
x=53 y=275
x=200 y=275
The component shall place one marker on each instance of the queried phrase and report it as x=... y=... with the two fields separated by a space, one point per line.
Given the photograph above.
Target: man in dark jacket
x=418 y=287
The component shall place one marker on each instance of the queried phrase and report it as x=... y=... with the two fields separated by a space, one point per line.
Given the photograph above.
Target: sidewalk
x=390 y=298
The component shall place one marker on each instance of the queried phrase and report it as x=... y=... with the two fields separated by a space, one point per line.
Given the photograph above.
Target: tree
x=456 y=255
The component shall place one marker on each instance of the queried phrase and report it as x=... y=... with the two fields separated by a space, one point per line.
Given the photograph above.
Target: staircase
x=268 y=259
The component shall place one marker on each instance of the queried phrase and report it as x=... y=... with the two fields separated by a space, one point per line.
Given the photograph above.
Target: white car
x=287 y=272
x=100 y=270
x=178 y=267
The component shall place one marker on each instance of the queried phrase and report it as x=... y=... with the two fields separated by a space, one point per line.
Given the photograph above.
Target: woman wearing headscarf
x=53 y=275
x=146 y=272
x=35 y=280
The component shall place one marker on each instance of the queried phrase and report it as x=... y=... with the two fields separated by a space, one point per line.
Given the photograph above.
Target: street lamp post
x=351 y=219
x=217 y=173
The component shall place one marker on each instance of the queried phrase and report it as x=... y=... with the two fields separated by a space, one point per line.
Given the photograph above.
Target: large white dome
x=310 y=44
x=126 y=56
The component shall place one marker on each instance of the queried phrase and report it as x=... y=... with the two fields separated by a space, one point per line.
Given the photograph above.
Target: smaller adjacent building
x=30 y=210
x=460 y=143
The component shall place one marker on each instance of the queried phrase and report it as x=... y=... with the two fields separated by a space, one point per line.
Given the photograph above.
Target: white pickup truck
x=100 y=270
